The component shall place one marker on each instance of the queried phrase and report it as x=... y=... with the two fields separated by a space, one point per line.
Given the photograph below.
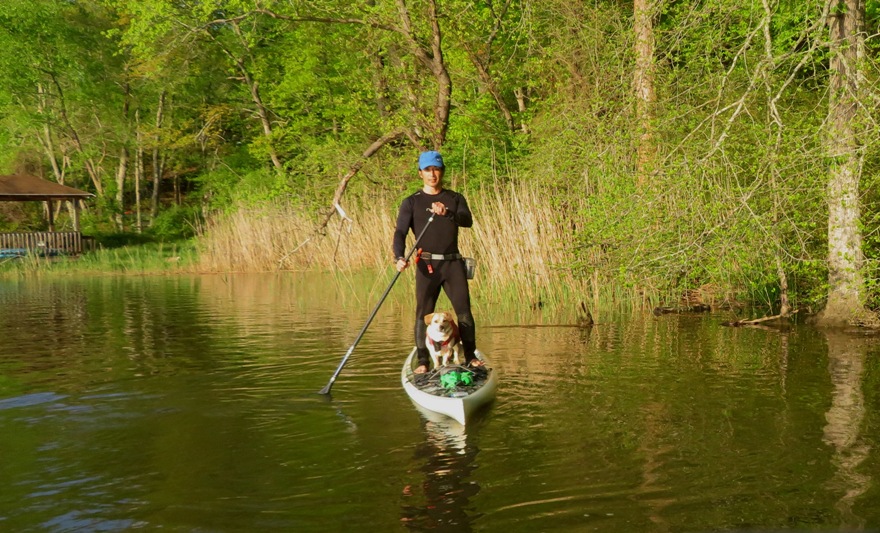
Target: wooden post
x=51 y=215
x=75 y=214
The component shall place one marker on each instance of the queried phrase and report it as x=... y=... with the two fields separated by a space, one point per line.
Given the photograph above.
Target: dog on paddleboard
x=443 y=339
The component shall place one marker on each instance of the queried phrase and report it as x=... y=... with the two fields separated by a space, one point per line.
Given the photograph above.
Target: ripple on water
x=30 y=400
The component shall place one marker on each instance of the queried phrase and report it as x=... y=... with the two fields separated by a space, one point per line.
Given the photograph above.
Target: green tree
x=68 y=92
x=845 y=141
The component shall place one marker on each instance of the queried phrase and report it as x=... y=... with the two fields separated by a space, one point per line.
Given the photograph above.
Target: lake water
x=190 y=404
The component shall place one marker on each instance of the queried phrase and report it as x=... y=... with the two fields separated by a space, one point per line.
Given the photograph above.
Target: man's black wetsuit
x=441 y=238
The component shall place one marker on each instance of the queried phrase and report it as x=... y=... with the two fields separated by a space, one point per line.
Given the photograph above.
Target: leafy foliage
x=240 y=103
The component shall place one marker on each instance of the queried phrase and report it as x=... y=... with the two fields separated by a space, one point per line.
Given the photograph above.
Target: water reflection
x=447 y=461
x=190 y=404
x=845 y=417
x=653 y=445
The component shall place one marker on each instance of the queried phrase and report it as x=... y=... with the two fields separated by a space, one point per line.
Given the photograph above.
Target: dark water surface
x=190 y=404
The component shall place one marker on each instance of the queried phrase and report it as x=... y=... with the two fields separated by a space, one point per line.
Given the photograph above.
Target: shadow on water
x=442 y=502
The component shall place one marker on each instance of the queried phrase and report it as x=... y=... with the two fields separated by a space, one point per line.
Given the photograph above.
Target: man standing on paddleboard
x=440 y=264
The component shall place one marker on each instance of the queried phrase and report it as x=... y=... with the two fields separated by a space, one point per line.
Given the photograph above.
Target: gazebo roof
x=24 y=188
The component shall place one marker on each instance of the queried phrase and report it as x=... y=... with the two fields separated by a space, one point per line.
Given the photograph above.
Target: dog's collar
x=439 y=344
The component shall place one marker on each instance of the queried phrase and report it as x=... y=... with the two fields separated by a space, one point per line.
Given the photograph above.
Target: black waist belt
x=440 y=257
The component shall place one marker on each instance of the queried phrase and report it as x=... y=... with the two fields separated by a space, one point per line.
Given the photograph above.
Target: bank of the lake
x=530 y=255
x=148 y=258
x=530 y=250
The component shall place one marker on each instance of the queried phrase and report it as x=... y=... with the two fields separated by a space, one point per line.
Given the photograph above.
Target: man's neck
x=432 y=190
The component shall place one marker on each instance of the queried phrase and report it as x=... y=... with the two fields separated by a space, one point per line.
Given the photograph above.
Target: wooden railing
x=45 y=242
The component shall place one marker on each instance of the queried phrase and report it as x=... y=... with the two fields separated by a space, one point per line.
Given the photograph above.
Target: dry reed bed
x=520 y=241
x=281 y=238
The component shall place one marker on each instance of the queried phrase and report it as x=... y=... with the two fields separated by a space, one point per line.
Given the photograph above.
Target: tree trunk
x=262 y=110
x=433 y=60
x=50 y=215
x=520 y=93
x=380 y=84
x=775 y=130
x=253 y=86
x=46 y=140
x=643 y=87
x=138 y=172
x=482 y=66
x=444 y=81
x=122 y=169
x=158 y=161
x=430 y=56
x=263 y=113
x=92 y=168
x=845 y=257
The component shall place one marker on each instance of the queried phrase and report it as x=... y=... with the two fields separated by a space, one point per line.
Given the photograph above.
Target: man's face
x=431 y=176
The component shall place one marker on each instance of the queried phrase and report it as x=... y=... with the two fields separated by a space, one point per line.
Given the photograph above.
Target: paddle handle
x=326 y=389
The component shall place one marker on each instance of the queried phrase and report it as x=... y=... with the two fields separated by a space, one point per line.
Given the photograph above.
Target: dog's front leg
x=456 y=354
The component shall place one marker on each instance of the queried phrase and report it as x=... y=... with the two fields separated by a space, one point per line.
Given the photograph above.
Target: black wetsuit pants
x=451 y=276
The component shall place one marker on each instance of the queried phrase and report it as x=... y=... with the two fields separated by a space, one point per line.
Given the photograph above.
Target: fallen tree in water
x=756 y=321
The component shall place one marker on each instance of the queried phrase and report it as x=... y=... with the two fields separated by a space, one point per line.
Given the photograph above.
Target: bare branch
x=343 y=184
x=780 y=316
x=289 y=18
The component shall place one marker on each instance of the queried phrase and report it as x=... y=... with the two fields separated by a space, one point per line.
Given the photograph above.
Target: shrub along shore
x=523 y=246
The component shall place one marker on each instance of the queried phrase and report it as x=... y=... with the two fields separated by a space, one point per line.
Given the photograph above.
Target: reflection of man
x=448 y=465
x=441 y=264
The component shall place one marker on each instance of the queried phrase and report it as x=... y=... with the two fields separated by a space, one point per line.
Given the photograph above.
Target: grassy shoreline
x=526 y=250
x=148 y=258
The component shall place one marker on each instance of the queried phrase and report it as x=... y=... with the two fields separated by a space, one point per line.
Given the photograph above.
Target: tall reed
x=521 y=241
x=282 y=237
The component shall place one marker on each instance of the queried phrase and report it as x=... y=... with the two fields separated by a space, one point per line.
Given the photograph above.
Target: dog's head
x=441 y=321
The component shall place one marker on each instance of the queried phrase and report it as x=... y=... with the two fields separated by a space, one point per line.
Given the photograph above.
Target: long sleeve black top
x=442 y=236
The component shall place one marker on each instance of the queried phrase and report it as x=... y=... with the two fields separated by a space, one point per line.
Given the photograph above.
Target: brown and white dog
x=443 y=339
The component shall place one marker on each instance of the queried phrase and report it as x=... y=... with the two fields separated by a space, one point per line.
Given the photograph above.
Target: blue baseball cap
x=430 y=159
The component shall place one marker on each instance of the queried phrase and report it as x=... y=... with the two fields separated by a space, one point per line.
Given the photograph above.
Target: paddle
x=326 y=389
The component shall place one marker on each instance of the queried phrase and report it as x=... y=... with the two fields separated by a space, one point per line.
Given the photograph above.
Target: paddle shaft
x=326 y=389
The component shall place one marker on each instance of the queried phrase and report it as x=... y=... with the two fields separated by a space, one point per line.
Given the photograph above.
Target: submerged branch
x=737 y=323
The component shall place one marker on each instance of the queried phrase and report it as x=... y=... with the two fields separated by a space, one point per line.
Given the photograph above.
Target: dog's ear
x=449 y=316
x=428 y=318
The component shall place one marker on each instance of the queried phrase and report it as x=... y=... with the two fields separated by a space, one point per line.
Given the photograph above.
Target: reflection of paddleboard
x=459 y=402
x=444 y=431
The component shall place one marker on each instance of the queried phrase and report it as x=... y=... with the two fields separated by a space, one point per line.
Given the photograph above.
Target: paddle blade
x=326 y=389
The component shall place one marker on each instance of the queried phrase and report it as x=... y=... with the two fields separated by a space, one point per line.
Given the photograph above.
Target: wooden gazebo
x=24 y=188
